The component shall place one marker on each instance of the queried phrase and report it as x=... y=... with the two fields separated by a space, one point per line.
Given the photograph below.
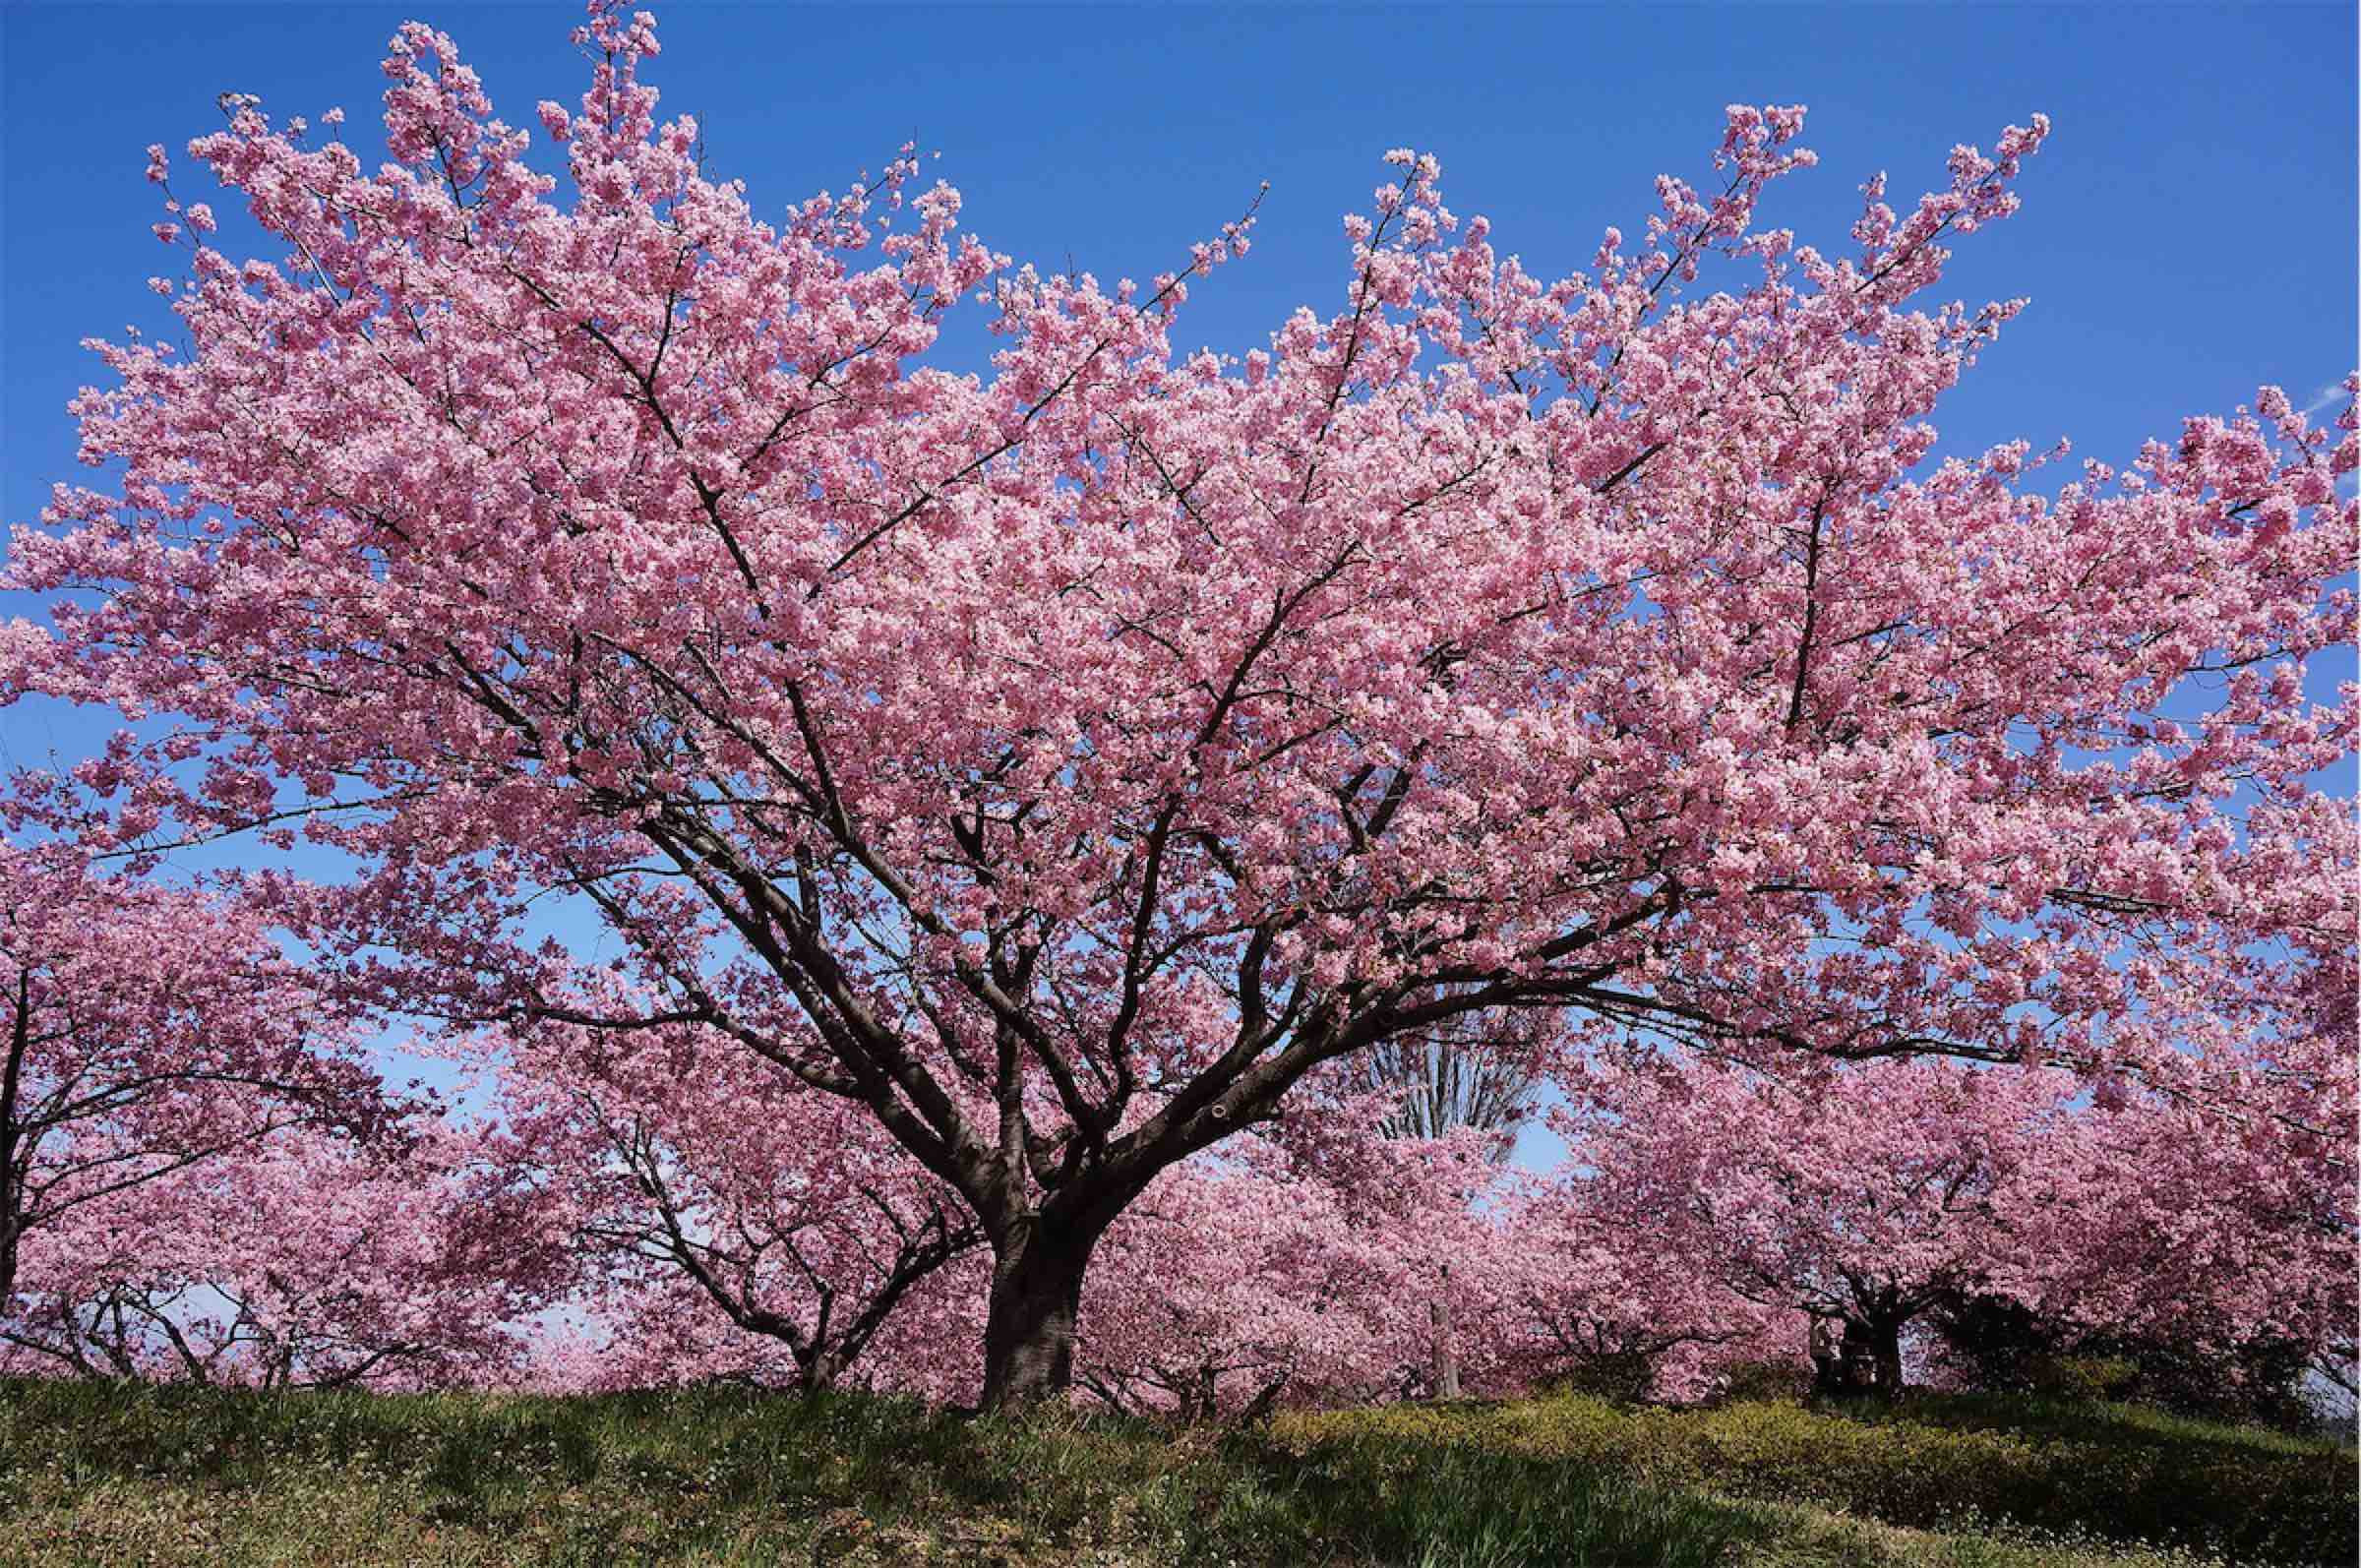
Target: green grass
x=116 y=1475
x=1977 y=1466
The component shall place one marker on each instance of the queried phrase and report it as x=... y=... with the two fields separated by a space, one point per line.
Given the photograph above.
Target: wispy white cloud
x=2332 y=393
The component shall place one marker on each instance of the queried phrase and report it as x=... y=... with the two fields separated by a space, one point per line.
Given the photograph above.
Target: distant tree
x=1475 y=1074
x=1464 y=1073
x=1226 y=1290
x=697 y=1180
x=2032 y=1218
x=299 y=1260
x=1589 y=1300
x=144 y=1031
x=1866 y=1200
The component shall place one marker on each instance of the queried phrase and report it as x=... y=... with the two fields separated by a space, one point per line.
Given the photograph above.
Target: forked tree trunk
x=1029 y=1326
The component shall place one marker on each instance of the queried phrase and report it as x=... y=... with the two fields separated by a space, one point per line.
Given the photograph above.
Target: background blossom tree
x=1062 y=765
x=145 y=1031
x=301 y=1261
x=1477 y=1072
x=1871 y=1196
x=697 y=1180
x=1623 y=1305
x=1881 y=1192
x=1294 y=1269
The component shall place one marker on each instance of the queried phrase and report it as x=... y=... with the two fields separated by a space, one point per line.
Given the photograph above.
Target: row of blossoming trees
x=205 y=1182
x=1045 y=851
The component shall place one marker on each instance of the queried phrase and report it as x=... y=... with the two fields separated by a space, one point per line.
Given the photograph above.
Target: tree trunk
x=1884 y=1343
x=819 y=1371
x=1029 y=1327
x=1445 y=1379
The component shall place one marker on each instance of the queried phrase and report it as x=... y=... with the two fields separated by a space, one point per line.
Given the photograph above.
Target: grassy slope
x=186 y=1476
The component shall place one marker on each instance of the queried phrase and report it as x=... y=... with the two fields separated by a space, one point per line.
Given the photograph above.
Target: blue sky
x=2188 y=232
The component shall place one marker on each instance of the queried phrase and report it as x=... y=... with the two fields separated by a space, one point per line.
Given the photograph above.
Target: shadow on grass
x=1462 y=1506
x=2097 y=1422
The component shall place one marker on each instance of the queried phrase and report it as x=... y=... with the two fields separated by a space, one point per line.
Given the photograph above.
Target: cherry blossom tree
x=699 y=1181
x=2230 y=1218
x=1868 y=1195
x=660 y=1330
x=1059 y=765
x=2213 y=1238
x=301 y=1261
x=1294 y=1272
x=146 y=1030
x=1616 y=1304
x=1476 y=1071
x=1877 y=1193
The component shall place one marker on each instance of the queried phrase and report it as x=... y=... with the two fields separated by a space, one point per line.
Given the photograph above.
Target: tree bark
x=1029 y=1325
x=1884 y=1345
x=1445 y=1375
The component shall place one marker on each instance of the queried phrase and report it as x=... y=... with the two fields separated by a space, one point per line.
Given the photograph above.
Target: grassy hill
x=142 y=1475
